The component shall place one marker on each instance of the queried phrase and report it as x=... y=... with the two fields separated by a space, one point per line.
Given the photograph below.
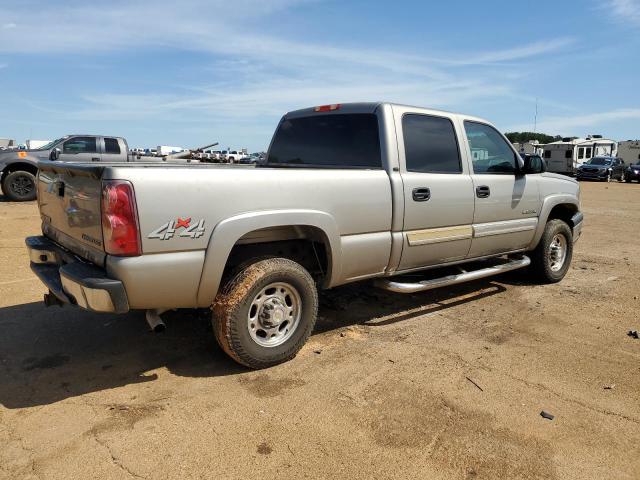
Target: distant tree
x=523 y=137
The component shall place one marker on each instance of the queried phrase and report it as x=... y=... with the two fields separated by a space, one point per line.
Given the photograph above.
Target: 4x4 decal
x=171 y=229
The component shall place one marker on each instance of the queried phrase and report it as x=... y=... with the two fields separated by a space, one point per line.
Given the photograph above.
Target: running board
x=406 y=287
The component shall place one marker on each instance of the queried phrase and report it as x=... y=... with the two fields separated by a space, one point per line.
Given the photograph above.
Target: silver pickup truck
x=18 y=168
x=347 y=193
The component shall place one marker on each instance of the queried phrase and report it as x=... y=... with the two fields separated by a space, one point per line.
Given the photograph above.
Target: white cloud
x=625 y=11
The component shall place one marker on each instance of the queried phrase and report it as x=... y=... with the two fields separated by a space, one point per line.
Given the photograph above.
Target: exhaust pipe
x=155 y=322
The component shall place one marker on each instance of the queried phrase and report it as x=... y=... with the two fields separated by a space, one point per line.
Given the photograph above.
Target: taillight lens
x=120 y=219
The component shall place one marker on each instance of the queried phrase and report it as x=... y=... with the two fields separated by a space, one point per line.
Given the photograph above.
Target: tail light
x=120 y=219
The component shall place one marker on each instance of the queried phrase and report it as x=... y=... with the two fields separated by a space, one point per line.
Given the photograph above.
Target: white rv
x=33 y=144
x=163 y=150
x=566 y=155
x=629 y=152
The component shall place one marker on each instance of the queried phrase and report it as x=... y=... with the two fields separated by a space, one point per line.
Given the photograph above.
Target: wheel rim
x=557 y=252
x=21 y=185
x=274 y=314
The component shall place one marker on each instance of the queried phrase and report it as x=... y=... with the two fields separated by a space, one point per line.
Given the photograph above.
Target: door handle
x=483 y=191
x=95 y=159
x=421 y=194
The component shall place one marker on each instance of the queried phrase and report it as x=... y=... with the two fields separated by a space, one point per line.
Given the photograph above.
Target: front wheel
x=266 y=312
x=551 y=259
x=19 y=186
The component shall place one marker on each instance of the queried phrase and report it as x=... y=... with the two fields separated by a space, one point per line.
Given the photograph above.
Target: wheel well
x=305 y=245
x=19 y=166
x=564 y=212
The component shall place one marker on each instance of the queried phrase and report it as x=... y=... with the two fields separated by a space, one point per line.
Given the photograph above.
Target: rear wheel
x=266 y=312
x=551 y=259
x=19 y=186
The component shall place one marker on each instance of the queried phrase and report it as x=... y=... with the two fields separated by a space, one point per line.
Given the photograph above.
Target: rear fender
x=229 y=231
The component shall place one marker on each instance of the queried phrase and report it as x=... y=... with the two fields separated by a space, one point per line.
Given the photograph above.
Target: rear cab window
x=345 y=140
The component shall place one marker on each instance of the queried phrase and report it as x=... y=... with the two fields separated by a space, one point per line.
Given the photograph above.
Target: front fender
x=547 y=205
x=229 y=231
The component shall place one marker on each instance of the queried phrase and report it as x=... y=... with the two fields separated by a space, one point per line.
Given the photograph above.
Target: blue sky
x=193 y=71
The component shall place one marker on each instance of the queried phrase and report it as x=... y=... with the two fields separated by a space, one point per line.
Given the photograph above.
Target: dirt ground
x=384 y=388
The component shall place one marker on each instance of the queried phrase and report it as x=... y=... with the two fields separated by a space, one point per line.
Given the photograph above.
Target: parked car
x=602 y=168
x=347 y=193
x=19 y=167
x=632 y=173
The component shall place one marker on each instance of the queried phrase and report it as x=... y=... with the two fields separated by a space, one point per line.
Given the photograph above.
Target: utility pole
x=535 y=119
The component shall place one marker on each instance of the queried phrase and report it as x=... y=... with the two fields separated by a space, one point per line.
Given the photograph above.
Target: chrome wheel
x=557 y=252
x=274 y=314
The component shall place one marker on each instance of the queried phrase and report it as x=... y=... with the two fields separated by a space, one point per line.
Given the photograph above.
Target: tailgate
x=69 y=197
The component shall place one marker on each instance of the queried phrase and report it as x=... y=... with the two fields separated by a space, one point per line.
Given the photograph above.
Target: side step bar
x=405 y=287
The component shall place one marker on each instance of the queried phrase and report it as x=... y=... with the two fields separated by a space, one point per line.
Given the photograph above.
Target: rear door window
x=336 y=140
x=430 y=144
x=111 y=145
x=80 y=145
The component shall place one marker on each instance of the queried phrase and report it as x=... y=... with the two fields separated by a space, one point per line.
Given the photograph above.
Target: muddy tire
x=265 y=313
x=551 y=259
x=19 y=186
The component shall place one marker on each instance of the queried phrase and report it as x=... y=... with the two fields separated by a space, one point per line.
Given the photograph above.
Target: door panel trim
x=439 y=235
x=504 y=227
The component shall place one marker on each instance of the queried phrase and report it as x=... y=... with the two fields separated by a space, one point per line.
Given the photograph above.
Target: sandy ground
x=381 y=390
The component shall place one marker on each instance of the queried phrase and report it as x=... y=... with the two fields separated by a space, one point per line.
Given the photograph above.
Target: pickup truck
x=18 y=168
x=346 y=193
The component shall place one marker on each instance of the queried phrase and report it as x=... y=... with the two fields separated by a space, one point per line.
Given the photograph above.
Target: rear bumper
x=73 y=281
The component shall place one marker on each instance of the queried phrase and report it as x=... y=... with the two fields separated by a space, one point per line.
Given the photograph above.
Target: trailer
x=566 y=155
x=629 y=151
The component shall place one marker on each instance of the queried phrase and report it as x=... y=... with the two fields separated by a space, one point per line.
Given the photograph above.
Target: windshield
x=599 y=161
x=51 y=144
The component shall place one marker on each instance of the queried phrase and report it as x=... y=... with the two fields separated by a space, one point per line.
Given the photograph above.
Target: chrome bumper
x=73 y=281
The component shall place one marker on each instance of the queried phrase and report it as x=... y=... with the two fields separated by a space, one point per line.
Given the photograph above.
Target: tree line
x=523 y=137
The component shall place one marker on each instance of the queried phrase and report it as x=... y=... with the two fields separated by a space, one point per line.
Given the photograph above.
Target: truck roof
x=370 y=107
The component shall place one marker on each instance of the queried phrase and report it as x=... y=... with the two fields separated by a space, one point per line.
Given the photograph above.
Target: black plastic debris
x=634 y=334
x=547 y=415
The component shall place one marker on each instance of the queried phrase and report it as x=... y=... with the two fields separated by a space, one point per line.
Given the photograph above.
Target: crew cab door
x=507 y=203
x=80 y=149
x=438 y=191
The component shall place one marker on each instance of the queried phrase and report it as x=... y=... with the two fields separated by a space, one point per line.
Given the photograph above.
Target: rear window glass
x=111 y=145
x=343 y=140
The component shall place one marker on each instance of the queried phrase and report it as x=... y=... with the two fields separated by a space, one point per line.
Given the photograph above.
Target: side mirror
x=533 y=165
x=55 y=154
